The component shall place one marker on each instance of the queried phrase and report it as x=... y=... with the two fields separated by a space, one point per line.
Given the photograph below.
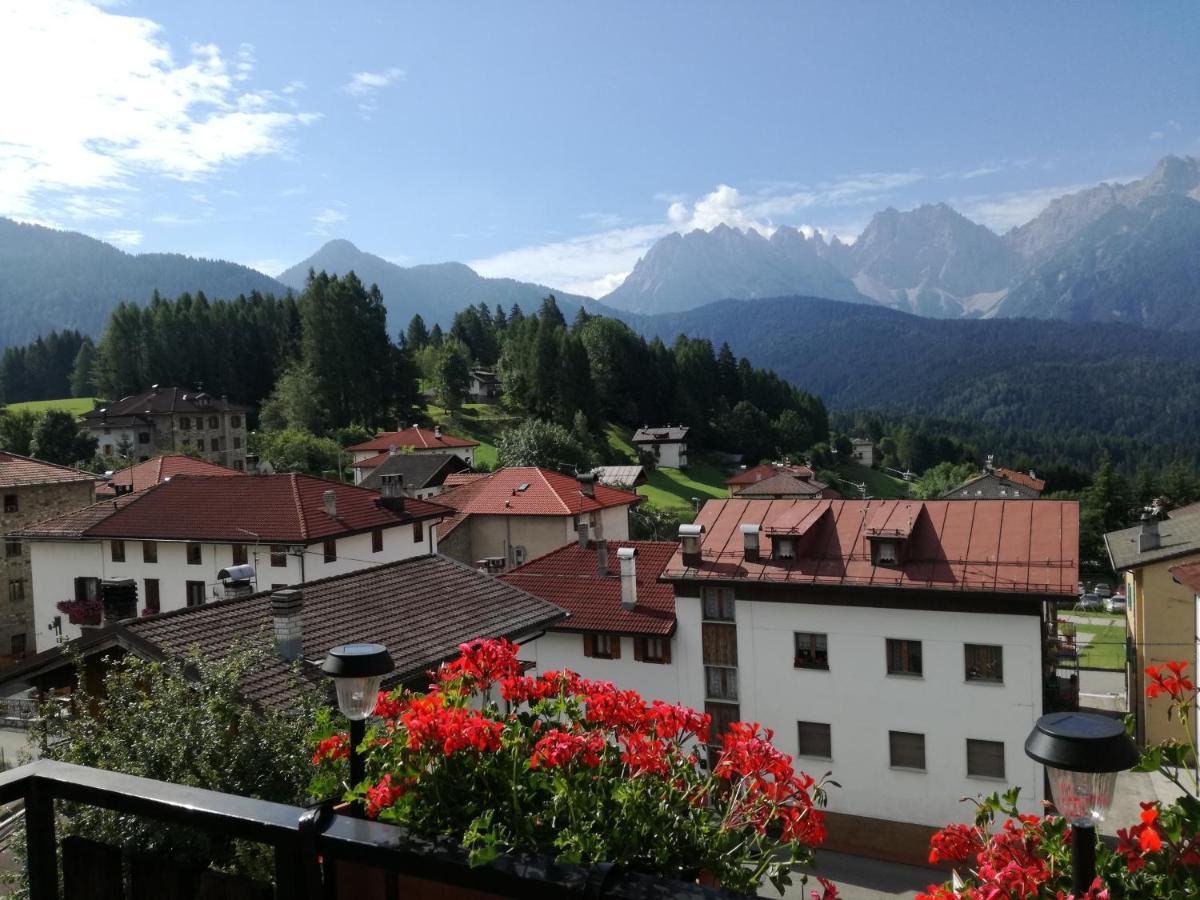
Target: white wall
x=670 y=456
x=558 y=650
x=862 y=702
x=56 y=565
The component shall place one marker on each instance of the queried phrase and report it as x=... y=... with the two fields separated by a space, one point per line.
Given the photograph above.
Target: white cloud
x=325 y=219
x=124 y=237
x=1000 y=212
x=1157 y=135
x=366 y=85
x=102 y=100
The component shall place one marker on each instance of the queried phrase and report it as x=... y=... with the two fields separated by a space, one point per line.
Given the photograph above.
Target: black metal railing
x=308 y=843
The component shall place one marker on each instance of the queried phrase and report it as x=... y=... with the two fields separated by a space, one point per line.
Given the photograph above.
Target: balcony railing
x=318 y=854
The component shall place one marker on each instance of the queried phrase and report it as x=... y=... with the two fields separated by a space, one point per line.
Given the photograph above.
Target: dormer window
x=785 y=547
x=885 y=553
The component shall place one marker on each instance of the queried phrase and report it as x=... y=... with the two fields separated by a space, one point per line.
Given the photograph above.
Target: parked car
x=1088 y=602
x=1081 y=589
x=1102 y=590
x=1115 y=603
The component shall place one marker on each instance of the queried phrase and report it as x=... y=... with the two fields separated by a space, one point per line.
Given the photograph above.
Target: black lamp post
x=1082 y=753
x=356 y=670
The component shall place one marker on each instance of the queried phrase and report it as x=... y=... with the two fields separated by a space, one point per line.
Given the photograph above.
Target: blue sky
x=555 y=141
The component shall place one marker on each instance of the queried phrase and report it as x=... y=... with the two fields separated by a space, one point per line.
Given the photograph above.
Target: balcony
x=318 y=854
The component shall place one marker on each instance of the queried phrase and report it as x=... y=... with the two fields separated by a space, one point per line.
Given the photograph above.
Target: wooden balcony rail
x=308 y=845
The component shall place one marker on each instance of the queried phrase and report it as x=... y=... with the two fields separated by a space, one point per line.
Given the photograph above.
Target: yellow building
x=1161 y=616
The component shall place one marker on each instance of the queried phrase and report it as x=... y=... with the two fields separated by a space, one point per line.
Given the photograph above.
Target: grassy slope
x=879 y=484
x=672 y=489
x=77 y=406
x=481 y=422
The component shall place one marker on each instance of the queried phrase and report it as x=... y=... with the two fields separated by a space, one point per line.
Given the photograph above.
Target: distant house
x=666 y=445
x=622 y=619
x=516 y=514
x=484 y=386
x=414 y=439
x=998 y=483
x=864 y=451
x=782 y=486
x=755 y=474
x=620 y=476
x=173 y=544
x=156 y=471
x=32 y=490
x=452 y=603
x=171 y=420
x=422 y=475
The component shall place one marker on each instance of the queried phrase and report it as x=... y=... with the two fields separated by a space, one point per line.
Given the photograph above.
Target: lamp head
x=356 y=670
x=1082 y=752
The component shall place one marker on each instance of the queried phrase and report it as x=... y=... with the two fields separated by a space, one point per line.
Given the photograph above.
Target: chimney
x=391 y=492
x=118 y=600
x=437 y=432
x=392 y=449
x=587 y=483
x=331 y=503
x=581 y=530
x=1148 y=532
x=750 y=541
x=627 y=556
x=602 y=559
x=689 y=540
x=286 y=606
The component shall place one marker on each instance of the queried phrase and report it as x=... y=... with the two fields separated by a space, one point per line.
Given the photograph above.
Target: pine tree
x=416 y=335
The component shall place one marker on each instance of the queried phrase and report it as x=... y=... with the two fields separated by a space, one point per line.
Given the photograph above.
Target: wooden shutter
x=666 y=654
x=616 y=646
x=639 y=649
x=589 y=645
x=720 y=644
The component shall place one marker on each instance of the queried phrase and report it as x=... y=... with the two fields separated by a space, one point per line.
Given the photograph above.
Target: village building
x=864 y=451
x=904 y=645
x=761 y=472
x=193 y=539
x=154 y=471
x=628 y=477
x=622 y=618
x=781 y=486
x=516 y=514
x=420 y=608
x=999 y=483
x=667 y=446
x=32 y=490
x=421 y=475
x=484 y=386
x=369 y=454
x=171 y=420
x=1160 y=611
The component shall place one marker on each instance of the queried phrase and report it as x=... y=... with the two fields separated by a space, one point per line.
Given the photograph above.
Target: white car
x=1102 y=591
x=1115 y=603
x=1088 y=603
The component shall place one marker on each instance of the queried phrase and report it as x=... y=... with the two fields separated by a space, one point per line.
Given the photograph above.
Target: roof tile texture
x=16 y=471
x=415 y=437
x=157 y=470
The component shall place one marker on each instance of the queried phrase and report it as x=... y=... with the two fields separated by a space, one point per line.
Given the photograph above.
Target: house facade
x=1159 y=610
x=667 y=446
x=519 y=513
x=900 y=644
x=621 y=623
x=999 y=483
x=32 y=490
x=370 y=454
x=484 y=386
x=171 y=420
x=754 y=474
x=175 y=542
x=864 y=451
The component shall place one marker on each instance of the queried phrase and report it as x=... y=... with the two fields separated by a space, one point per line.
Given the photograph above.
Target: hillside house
x=628 y=477
x=157 y=470
x=622 y=618
x=484 y=386
x=999 y=483
x=178 y=543
x=762 y=471
x=1160 y=611
x=171 y=420
x=667 y=446
x=864 y=451
x=519 y=513
x=902 y=644
x=421 y=475
x=32 y=490
x=781 y=486
x=369 y=454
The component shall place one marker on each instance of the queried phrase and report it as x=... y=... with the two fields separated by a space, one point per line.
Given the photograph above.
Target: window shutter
x=639 y=649
x=589 y=645
x=616 y=646
x=666 y=650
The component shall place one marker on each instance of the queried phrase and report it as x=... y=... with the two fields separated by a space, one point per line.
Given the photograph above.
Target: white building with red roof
x=516 y=514
x=414 y=439
x=999 y=483
x=621 y=626
x=176 y=542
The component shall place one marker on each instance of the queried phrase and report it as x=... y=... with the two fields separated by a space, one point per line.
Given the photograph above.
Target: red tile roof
x=971 y=545
x=157 y=470
x=527 y=491
x=569 y=578
x=462 y=478
x=414 y=437
x=782 y=485
x=16 y=471
x=764 y=471
x=272 y=508
x=1188 y=575
x=1022 y=478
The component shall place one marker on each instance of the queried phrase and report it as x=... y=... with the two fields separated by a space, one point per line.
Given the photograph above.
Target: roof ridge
x=295 y=485
x=47 y=463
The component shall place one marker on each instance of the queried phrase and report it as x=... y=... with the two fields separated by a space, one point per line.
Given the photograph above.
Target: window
x=108 y=449
x=240 y=556
x=214 y=423
x=11 y=504
x=278 y=556
x=331 y=551
x=812 y=650
x=117 y=550
x=903 y=657
x=602 y=646
x=652 y=650
x=985 y=662
x=194 y=556
x=152 y=602
x=720 y=683
x=17 y=642
x=237 y=443
x=985 y=759
x=185 y=423
x=12 y=548
x=718 y=604
x=418 y=532
x=199 y=443
x=195 y=593
x=87 y=590
x=149 y=552
x=814 y=740
x=235 y=421
x=376 y=540
x=143 y=437
x=16 y=591
x=907 y=750
x=237 y=464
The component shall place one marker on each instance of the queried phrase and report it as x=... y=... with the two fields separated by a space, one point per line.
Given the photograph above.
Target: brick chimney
x=286 y=607
x=602 y=559
x=581 y=532
x=627 y=557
